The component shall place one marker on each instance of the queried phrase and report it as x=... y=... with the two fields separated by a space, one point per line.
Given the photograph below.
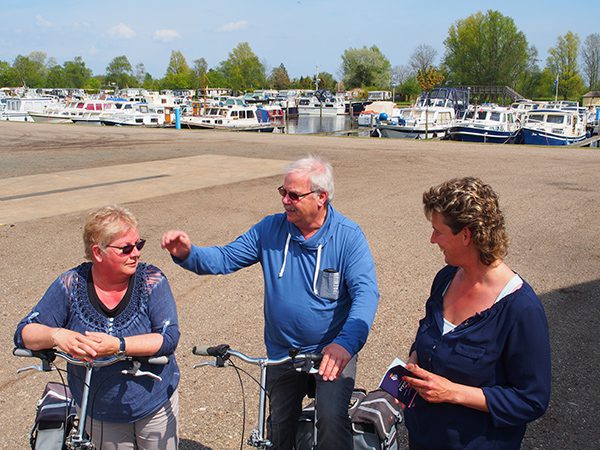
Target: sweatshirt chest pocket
x=328 y=284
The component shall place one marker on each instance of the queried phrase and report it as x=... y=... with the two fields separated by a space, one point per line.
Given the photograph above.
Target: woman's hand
x=436 y=389
x=433 y=388
x=103 y=344
x=73 y=343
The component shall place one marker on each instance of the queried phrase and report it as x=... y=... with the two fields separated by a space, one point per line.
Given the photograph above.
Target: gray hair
x=103 y=225
x=318 y=171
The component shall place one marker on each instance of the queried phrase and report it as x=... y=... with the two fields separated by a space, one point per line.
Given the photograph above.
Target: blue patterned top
x=115 y=397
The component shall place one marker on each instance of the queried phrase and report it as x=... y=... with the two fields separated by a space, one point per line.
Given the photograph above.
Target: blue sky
x=301 y=34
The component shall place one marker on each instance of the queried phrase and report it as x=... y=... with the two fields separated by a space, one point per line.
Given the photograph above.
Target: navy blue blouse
x=505 y=350
x=115 y=397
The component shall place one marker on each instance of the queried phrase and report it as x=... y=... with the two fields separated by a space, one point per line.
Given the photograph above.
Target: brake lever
x=206 y=363
x=135 y=371
x=38 y=367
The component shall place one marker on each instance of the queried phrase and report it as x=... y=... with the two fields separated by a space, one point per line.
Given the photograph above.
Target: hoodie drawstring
x=317 y=267
x=285 y=253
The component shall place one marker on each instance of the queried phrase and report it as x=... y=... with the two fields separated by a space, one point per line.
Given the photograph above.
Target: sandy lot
x=549 y=195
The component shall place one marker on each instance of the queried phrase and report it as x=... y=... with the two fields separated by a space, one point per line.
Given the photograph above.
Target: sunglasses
x=292 y=195
x=127 y=249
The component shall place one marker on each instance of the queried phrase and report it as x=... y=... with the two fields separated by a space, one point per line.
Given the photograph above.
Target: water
x=308 y=124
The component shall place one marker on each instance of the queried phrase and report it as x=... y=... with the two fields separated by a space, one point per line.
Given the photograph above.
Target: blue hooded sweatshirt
x=317 y=291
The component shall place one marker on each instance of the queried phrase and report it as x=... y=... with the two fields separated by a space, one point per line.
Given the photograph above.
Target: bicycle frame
x=78 y=440
x=305 y=362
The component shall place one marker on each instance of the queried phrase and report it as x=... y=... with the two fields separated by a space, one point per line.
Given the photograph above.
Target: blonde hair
x=469 y=202
x=103 y=225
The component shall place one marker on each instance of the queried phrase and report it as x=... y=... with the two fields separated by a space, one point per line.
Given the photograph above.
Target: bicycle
x=78 y=439
x=303 y=362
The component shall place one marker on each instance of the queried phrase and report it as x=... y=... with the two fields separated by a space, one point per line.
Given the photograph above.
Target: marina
x=216 y=184
x=442 y=113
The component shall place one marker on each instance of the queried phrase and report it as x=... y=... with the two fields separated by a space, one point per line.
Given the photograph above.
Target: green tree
x=326 y=81
x=119 y=71
x=591 y=60
x=528 y=83
x=56 y=77
x=243 y=70
x=279 y=78
x=76 y=73
x=30 y=72
x=562 y=61
x=303 y=83
x=8 y=76
x=365 y=67
x=179 y=74
x=93 y=84
x=199 y=72
x=140 y=73
x=485 y=49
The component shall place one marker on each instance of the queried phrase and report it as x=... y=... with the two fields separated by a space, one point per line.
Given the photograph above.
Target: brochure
x=393 y=383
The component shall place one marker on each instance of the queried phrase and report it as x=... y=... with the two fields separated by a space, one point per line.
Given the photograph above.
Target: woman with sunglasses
x=110 y=305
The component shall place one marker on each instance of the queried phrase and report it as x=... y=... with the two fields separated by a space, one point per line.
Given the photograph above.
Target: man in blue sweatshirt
x=320 y=296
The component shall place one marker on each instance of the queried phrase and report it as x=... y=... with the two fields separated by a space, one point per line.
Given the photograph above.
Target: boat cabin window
x=555 y=119
x=79 y=105
x=495 y=116
x=536 y=118
x=234 y=113
x=481 y=115
x=250 y=114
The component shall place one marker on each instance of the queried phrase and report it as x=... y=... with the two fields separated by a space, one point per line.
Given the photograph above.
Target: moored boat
x=431 y=116
x=486 y=123
x=232 y=118
x=553 y=127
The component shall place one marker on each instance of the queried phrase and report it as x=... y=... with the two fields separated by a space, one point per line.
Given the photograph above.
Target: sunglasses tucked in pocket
x=328 y=284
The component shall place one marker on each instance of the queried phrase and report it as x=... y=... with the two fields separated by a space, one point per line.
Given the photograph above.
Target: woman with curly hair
x=481 y=356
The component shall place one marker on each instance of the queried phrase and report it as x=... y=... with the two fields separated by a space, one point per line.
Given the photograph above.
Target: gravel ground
x=549 y=195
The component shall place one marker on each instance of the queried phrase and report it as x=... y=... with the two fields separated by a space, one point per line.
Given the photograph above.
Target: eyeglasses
x=292 y=195
x=127 y=249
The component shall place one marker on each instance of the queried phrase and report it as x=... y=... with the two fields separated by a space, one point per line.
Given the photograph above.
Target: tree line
x=482 y=49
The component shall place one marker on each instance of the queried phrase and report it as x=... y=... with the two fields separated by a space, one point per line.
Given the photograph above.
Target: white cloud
x=121 y=31
x=233 y=26
x=166 y=35
x=40 y=21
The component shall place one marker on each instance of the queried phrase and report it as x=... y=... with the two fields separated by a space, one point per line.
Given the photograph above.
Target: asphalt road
x=549 y=195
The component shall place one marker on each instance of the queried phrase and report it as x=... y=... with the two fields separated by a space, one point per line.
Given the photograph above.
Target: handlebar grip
x=314 y=357
x=217 y=350
x=158 y=360
x=46 y=355
x=25 y=352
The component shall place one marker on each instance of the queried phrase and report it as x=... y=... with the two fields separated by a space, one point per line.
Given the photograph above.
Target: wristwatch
x=121 y=351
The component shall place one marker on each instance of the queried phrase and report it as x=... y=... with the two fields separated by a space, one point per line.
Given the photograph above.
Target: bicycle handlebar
x=49 y=355
x=224 y=351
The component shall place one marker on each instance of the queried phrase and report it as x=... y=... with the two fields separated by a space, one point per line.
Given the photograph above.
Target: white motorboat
x=486 y=123
x=233 y=117
x=17 y=109
x=74 y=109
x=326 y=105
x=553 y=127
x=433 y=114
x=132 y=114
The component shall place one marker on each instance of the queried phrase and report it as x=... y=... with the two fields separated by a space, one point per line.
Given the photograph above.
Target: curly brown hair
x=469 y=202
